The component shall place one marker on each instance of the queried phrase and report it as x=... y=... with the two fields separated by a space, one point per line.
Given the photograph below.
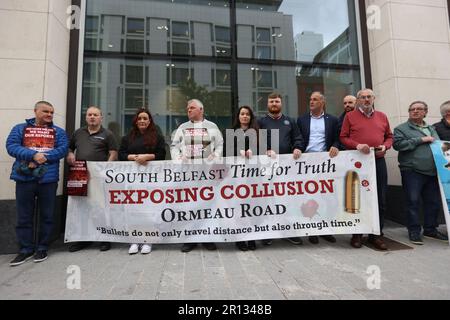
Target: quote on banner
x=235 y=200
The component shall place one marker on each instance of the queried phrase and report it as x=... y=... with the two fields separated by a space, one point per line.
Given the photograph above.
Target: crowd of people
x=38 y=146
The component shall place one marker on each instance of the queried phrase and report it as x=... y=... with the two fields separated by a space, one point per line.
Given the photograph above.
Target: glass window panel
x=181 y=48
x=222 y=34
x=134 y=98
x=134 y=74
x=335 y=84
x=223 y=77
x=263 y=35
x=267 y=33
x=180 y=29
x=89 y=72
x=135 y=26
x=302 y=30
x=91 y=24
x=179 y=75
x=135 y=46
x=264 y=78
x=263 y=52
x=90 y=44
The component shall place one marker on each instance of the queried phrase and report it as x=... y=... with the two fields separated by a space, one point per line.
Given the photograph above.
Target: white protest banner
x=169 y=202
x=441 y=155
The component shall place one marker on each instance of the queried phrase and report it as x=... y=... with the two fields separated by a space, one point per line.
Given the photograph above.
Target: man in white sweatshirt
x=196 y=139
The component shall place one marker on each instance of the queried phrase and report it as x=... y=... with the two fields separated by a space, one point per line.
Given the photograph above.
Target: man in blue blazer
x=320 y=134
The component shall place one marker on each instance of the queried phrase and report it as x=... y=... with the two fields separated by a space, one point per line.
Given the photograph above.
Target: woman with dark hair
x=142 y=144
x=246 y=121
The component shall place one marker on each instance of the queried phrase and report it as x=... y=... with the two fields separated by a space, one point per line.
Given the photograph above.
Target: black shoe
x=329 y=238
x=314 y=239
x=267 y=242
x=40 y=256
x=415 y=239
x=188 y=247
x=20 y=258
x=210 y=246
x=251 y=245
x=242 y=246
x=77 y=246
x=105 y=246
x=437 y=235
x=295 y=240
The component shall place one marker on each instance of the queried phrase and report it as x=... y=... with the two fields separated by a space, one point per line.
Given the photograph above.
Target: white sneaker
x=146 y=248
x=134 y=248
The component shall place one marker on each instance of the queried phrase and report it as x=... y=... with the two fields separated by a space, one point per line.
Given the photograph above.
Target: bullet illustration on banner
x=352 y=192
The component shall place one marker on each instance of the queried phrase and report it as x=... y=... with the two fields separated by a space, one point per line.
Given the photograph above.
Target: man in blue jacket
x=38 y=146
x=320 y=134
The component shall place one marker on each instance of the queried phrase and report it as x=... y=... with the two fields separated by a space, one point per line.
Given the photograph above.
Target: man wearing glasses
x=419 y=178
x=364 y=128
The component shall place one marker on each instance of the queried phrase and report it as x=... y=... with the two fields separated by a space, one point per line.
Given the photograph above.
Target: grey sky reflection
x=331 y=17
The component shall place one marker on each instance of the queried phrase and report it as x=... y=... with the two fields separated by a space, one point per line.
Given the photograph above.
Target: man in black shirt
x=92 y=143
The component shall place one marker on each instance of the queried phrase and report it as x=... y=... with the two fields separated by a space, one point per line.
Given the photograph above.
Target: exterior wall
x=34 y=54
x=410 y=60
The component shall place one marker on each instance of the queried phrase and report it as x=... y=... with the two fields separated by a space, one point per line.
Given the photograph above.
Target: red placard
x=77 y=179
x=40 y=139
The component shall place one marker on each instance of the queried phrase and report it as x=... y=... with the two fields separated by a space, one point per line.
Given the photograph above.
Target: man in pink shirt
x=362 y=129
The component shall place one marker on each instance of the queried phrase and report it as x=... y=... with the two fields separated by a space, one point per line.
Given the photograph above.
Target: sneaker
x=40 y=256
x=146 y=248
x=105 y=246
x=267 y=242
x=415 y=238
x=134 y=248
x=437 y=235
x=295 y=240
x=210 y=246
x=20 y=258
x=188 y=247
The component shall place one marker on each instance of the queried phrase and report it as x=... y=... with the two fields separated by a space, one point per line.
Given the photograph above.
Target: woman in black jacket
x=142 y=144
x=245 y=120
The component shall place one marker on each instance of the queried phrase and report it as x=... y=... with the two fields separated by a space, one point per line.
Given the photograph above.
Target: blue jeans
x=26 y=192
x=418 y=185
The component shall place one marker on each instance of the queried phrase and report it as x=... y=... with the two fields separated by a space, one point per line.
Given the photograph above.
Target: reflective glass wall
x=160 y=53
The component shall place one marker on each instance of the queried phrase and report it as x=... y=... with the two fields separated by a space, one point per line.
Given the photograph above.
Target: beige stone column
x=409 y=44
x=34 y=57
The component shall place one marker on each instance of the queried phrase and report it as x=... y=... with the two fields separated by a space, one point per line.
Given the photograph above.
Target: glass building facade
x=161 y=53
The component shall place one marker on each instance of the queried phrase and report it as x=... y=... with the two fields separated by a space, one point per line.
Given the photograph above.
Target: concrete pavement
x=282 y=271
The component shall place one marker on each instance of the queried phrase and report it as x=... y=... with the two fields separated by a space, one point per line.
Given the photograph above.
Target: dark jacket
x=15 y=148
x=331 y=130
x=138 y=147
x=290 y=137
x=443 y=130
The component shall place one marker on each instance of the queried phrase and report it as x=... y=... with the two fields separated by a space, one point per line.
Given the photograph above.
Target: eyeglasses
x=365 y=97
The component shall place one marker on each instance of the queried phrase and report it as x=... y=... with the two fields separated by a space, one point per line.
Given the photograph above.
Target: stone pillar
x=34 y=55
